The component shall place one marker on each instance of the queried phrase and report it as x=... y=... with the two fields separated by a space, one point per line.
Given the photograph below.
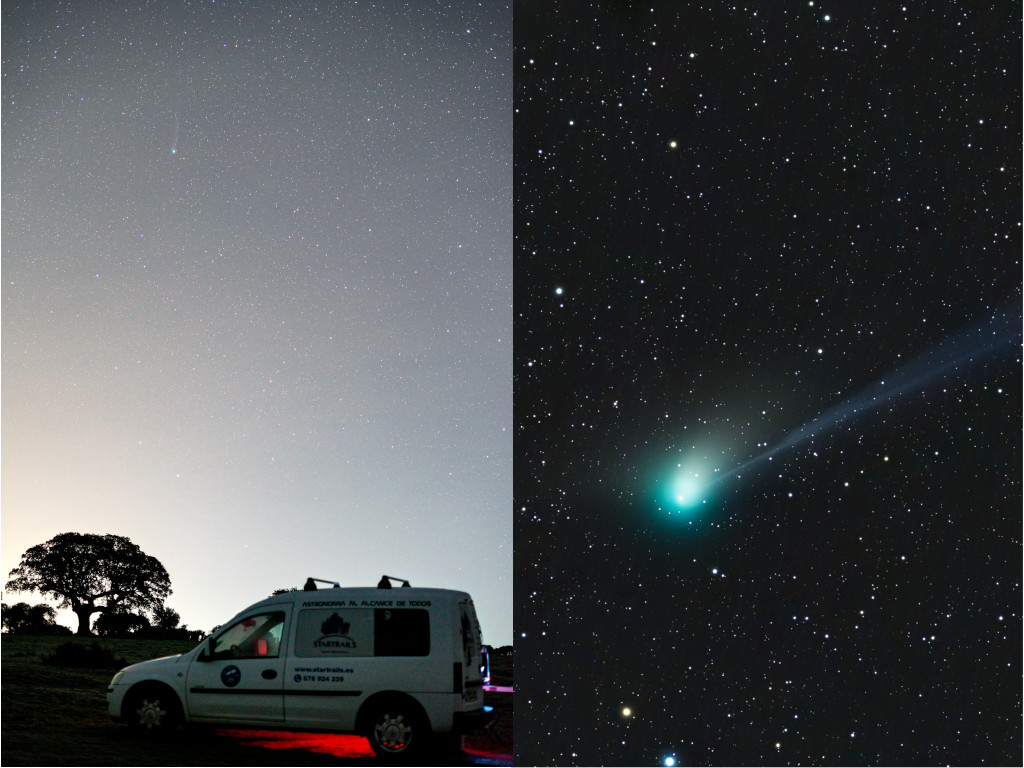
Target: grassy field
x=54 y=715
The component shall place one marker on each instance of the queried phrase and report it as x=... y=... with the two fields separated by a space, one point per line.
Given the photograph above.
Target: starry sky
x=767 y=383
x=257 y=289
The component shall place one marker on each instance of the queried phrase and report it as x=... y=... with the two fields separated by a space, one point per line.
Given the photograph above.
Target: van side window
x=344 y=631
x=254 y=637
x=401 y=632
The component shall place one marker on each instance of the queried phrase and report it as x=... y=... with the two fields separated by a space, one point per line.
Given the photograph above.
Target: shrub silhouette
x=77 y=655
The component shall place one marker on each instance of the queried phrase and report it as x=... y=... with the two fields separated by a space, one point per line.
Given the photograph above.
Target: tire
x=397 y=730
x=151 y=710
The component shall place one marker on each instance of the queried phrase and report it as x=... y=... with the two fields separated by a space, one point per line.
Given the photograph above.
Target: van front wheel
x=152 y=710
x=397 y=730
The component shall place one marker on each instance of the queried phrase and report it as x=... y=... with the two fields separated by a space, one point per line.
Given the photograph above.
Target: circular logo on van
x=230 y=676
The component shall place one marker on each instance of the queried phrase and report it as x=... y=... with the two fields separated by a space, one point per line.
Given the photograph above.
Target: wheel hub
x=150 y=713
x=393 y=732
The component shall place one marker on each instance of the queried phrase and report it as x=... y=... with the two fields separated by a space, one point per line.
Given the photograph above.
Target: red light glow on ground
x=352 y=747
x=338 y=745
x=486 y=757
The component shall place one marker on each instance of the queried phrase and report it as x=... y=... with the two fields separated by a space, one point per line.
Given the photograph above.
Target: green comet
x=685 y=487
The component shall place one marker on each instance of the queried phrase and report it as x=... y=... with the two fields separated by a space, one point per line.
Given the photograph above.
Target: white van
x=395 y=665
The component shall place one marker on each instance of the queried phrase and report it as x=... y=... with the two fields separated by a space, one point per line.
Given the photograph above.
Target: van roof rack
x=310 y=585
x=385 y=582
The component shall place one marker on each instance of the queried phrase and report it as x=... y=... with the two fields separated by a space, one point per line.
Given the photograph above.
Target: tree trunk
x=83 y=612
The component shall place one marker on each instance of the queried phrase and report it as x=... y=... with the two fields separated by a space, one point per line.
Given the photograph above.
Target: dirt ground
x=58 y=716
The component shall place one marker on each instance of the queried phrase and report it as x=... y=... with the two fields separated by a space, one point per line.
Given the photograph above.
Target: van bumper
x=115 y=700
x=474 y=719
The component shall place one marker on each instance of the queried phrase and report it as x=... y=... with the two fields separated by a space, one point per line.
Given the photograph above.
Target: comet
x=693 y=482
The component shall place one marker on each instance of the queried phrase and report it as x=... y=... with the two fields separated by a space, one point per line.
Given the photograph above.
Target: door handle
x=269 y=674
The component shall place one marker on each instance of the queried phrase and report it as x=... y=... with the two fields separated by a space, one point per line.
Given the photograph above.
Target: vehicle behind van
x=402 y=667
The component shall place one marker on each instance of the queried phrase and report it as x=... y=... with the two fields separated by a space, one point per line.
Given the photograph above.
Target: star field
x=257 y=291
x=767 y=480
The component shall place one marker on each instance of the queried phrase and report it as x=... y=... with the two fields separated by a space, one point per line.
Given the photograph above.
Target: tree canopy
x=80 y=569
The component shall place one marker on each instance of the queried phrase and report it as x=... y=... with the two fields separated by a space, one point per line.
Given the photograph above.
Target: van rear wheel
x=397 y=730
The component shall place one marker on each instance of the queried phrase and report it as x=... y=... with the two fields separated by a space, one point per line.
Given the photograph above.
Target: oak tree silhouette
x=89 y=573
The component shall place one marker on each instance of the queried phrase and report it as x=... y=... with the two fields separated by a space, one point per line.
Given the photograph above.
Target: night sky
x=767 y=386
x=257 y=288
